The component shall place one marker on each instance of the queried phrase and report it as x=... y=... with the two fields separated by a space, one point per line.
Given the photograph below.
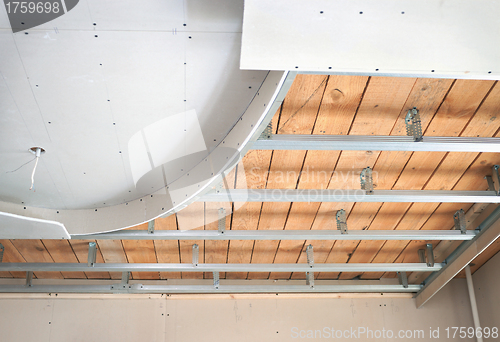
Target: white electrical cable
x=38 y=152
x=21 y=166
x=33 y=174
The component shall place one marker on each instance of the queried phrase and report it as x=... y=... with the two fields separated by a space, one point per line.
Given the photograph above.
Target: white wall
x=224 y=318
x=487 y=288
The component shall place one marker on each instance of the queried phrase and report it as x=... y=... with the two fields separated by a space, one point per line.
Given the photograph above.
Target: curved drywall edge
x=283 y=85
x=21 y=227
x=246 y=130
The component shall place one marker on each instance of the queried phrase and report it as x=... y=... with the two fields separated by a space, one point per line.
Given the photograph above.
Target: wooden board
x=11 y=254
x=453 y=165
x=35 y=251
x=341 y=98
x=81 y=249
x=416 y=171
x=383 y=99
x=141 y=251
x=483 y=258
x=427 y=95
x=298 y=115
x=112 y=252
x=252 y=171
x=442 y=217
x=192 y=217
x=216 y=250
x=61 y=251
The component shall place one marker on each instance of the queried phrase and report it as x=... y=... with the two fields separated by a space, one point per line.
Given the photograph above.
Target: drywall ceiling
x=434 y=38
x=125 y=97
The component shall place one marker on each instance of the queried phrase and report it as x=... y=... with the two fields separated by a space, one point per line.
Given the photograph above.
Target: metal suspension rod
x=337 y=195
x=431 y=235
x=377 y=143
x=162 y=267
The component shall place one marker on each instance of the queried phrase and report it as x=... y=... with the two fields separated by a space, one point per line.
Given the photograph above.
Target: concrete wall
x=229 y=317
x=487 y=288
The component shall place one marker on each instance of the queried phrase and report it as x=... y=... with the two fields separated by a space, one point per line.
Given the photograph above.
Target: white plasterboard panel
x=213 y=16
x=168 y=16
x=4 y=20
x=55 y=84
x=84 y=134
x=135 y=16
x=116 y=15
x=216 y=96
x=73 y=74
x=22 y=227
x=432 y=38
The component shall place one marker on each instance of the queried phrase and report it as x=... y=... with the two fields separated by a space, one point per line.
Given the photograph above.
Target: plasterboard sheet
x=22 y=227
x=169 y=16
x=432 y=38
x=213 y=16
x=82 y=91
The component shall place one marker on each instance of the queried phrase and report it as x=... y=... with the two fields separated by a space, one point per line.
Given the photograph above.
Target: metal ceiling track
x=194 y=267
x=376 y=143
x=338 y=195
x=429 y=235
x=461 y=257
x=414 y=141
x=189 y=289
x=126 y=268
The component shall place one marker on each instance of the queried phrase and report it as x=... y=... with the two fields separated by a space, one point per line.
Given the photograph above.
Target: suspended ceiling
x=103 y=94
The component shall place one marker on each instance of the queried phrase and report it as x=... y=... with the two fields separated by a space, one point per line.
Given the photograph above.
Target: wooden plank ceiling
x=319 y=104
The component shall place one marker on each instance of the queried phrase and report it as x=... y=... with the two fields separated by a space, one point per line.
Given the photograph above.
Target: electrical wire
x=21 y=166
x=33 y=174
